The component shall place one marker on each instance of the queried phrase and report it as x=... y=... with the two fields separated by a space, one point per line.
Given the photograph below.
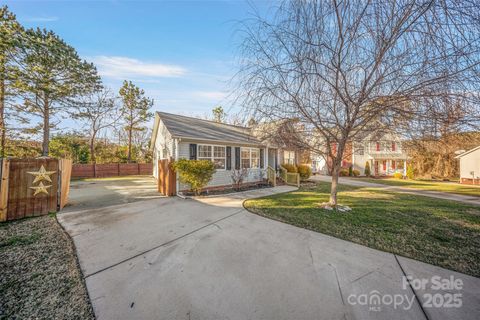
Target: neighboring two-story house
x=385 y=154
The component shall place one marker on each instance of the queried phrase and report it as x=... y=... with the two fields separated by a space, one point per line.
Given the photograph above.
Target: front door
x=376 y=167
x=272 y=158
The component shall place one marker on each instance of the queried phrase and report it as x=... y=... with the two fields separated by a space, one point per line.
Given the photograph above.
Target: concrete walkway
x=433 y=194
x=209 y=258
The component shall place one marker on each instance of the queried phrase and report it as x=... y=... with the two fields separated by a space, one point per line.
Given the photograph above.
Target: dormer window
x=394 y=146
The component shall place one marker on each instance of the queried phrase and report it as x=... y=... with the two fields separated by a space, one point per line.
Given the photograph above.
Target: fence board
x=65 y=167
x=111 y=170
x=167 y=181
x=5 y=169
x=21 y=201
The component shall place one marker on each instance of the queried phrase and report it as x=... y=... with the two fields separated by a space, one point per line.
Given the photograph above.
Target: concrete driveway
x=171 y=258
x=104 y=192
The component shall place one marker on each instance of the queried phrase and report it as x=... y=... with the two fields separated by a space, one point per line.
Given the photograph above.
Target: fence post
x=4 y=189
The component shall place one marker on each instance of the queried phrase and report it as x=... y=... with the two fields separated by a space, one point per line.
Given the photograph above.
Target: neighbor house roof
x=467 y=152
x=184 y=127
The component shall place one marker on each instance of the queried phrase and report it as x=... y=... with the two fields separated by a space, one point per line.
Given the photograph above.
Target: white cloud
x=123 y=67
x=213 y=95
x=41 y=19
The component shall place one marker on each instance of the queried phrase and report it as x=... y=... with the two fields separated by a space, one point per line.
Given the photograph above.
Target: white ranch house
x=229 y=147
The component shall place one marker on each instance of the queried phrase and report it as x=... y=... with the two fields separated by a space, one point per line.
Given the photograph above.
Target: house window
x=394 y=162
x=216 y=154
x=360 y=150
x=378 y=146
x=394 y=146
x=289 y=157
x=250 y=158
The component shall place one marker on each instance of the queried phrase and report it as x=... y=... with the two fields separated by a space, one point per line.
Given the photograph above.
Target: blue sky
x=181 y=52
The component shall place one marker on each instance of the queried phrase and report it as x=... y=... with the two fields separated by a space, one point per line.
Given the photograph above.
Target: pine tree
x=367 y=169
x=135 y=108
x=53 y=76
x=11 y=42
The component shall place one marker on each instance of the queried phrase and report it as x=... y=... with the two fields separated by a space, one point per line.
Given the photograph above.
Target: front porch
x=388 y=166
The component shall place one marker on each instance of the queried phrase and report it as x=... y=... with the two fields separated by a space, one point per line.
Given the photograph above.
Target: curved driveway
x=171 y=258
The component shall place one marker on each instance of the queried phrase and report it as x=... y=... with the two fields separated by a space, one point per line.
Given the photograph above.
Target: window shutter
x=237 y=158
x=262 y=158
x=193 y=151
x=229 y=158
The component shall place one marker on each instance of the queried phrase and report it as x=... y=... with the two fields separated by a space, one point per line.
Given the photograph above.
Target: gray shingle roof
x=199 y=129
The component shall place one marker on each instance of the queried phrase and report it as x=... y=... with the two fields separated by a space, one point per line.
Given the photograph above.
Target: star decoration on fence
x=40 y=188
x=41 y=175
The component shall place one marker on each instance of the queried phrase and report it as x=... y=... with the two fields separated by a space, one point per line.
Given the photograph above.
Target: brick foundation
x=470 y=181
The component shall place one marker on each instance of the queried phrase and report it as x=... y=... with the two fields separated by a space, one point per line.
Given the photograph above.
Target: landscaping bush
x=305 y=171
x=410 y=172
x=398 y=175
x=343 y=173
x=196 y=173
x=356 y=172
x=290 y=167
x=350 y=171
x=367 y=168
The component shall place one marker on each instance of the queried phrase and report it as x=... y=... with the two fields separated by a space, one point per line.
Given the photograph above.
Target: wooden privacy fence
x=111 y=170
x=33 y=187
x=167 y=179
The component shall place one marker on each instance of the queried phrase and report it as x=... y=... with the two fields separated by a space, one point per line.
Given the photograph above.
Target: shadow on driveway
x=104 y=192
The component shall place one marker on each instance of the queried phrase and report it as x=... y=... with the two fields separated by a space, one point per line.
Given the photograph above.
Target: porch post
x=404 y=167
x=265 y=158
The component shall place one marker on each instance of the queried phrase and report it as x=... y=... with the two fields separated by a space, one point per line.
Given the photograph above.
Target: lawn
x=440 y=232
x=450 y=187
x=40 y=277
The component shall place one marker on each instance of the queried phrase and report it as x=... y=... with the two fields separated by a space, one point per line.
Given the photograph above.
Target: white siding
x=164 y=147
x=220 y=177
x=470 y=163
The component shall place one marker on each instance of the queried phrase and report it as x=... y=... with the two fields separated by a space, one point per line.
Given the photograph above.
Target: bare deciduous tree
x=99 y=111
x=344 y=68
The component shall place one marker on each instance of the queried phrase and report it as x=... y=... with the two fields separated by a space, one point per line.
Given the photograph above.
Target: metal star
x=42 y=174
x=40 y=189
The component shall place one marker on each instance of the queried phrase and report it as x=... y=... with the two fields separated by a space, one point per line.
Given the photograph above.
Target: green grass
x=440 y=232
x=450 y=187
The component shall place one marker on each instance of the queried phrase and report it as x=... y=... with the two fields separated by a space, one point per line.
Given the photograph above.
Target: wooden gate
x=33 y=187
x=167 y=180
x=65 y=167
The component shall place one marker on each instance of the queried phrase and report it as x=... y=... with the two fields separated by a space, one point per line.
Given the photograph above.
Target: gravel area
x=39 y=274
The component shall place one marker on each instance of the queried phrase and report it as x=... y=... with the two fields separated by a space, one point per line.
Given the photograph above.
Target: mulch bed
x=39 y=274
x=227 y=190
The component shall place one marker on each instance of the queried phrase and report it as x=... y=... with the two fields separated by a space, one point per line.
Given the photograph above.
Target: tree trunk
x=333 y=189
x=129 y=144
x=2 y=109
x=92 y=148
x=46 y=127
